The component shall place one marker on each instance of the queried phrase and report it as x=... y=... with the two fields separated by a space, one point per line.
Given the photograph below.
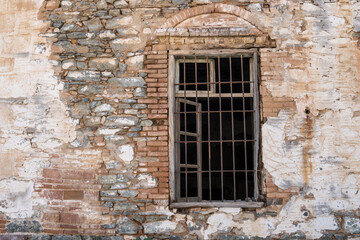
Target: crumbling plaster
x=315 y=151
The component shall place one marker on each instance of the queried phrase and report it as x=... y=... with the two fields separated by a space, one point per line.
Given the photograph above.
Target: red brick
x=73 y=195
x=51 y=173
x=71 y=218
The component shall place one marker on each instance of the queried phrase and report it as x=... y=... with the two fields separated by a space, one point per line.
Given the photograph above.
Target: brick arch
x=215 y=8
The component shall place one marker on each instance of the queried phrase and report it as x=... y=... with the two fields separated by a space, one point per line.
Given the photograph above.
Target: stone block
x=119 y=121
x=159 y=227
x=132 y=44
x=91 y=89
x=83 y=76
x=103 y=64
x=127 y=206
x=94 y=25
x=352 y=225
x=126 y=226
x=119 y=22
x=128 y=81
x=128 y=193
x=104 y=108
x=107 y=179
x=24 y=226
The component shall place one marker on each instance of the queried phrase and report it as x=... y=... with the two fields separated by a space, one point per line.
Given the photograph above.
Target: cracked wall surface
x=84 y=123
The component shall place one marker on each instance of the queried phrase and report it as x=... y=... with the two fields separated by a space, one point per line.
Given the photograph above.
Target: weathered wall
x=84 y=133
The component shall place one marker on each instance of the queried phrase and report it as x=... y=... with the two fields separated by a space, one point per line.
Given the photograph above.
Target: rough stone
x=83 y=76
x=128 y=193
x=159 y=227
x=352 y=225
x=127 y=44
x=126 y=226
x=125 y=207
x=107 y=179
x=94 y=25
x=118 y=121
x=103 y=64
x=128 y=82
x=24 y=226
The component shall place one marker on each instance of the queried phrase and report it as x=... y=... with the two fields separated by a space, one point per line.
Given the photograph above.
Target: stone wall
x=84 y=136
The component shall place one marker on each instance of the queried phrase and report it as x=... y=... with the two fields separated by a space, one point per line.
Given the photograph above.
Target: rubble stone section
x=87 y=126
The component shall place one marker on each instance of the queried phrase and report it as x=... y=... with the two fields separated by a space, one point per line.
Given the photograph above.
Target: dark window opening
x=215 y=135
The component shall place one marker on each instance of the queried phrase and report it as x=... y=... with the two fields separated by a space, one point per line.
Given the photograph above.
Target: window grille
x=216 y=128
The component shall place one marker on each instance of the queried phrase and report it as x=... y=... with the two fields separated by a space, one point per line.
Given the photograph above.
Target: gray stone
x=119 y=22
x=70 y=48
x=90 y=42
x=119 y=186
x=108 y=34
x=128 y=193
x=83 y=76
x=91 y=89
x=139 y=106
x=352 y=225
x=92 y=121
x=103 y=64
x=76 y=35
x=128 y=81
x=127 y=206
x=108 y=204
x=81 y=65
x=79 y=110
x=24 y=226
x=126 y=226
x=107 y=179
x=108 y=193
x=135 y=129
x=113 y=199
x=180 y=1
x=127 y=32
x=146 y=123
x=69 y=27
x=109 y=226
x=121 y=4
x=104 y=108
x=119 y=121
x=40 y=237
x=63 y=237
x=132 y=44
x=231 y=237
x=124 y=106
x=69 y=64
x=121 y=178
x=159 y=227
x=139 y=92
x=94 y=25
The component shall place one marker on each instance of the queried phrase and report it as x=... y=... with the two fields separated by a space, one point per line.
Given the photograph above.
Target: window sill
x=242 y=204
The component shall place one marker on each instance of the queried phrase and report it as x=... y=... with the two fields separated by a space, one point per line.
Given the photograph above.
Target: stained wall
x=84 y=136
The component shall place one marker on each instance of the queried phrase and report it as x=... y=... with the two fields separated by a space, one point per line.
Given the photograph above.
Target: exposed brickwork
x=84 y=138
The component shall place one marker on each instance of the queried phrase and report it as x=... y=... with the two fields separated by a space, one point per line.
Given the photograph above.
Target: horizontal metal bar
x=190 y=134
x=214 y=171
x=202 y=94
x=216 y=141
x=205 y=83
x=233 y=204
x=226 y=111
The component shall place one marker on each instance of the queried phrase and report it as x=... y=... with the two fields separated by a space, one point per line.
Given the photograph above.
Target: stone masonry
x=84 y=123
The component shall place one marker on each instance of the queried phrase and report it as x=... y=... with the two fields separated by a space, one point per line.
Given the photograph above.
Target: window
x=215 y=129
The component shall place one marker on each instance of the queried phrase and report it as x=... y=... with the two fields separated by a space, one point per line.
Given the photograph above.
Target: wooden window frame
x=174 y=57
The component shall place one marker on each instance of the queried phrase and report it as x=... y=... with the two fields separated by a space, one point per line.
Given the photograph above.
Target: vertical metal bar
x=198 y=132
x=221 y=143
x=244 y=118
x=232 y=128
x=185 y=130
x=256 y=122
x=209 y=128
